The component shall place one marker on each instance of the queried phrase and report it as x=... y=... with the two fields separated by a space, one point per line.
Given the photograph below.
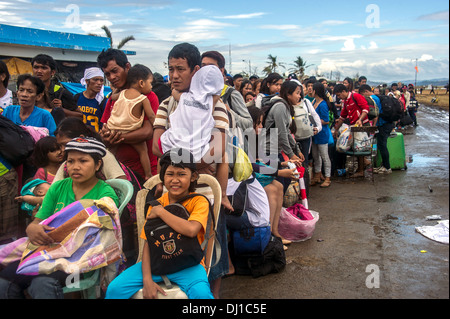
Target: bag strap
x=167 y=282
x=212 y=232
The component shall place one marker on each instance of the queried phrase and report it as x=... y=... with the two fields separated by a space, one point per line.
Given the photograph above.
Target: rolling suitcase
x=397 y=153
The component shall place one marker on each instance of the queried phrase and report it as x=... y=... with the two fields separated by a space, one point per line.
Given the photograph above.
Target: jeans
x=320 y=154
x=412 y=113
x=193 y=281
x=38 y=287
x=383 y=134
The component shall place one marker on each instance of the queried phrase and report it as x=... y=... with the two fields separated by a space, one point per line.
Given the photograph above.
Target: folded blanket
x=87 y=236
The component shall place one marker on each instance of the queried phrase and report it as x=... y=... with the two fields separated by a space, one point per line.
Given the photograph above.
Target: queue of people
x=282 y=124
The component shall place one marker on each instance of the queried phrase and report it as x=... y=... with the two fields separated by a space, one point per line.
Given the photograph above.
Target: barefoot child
x=131 y=107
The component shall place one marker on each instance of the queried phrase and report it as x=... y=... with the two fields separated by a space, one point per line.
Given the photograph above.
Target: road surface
x=368 y=229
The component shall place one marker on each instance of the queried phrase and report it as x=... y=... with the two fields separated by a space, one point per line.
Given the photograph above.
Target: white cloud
x=441 y=15
x=192 y=31
x=207 y=23
x=243 y=16
x=95 y=26
x=334 y=22
x=192 y=10
x=386 y=64
x=315 y=51
x=425 y=57
x=349 y=45
x=373 y=45
x=280 y=27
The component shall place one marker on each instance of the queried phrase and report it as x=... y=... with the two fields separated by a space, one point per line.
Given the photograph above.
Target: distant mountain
x=437 y=82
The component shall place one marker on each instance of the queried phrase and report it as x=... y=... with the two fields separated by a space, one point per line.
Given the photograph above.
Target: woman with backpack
x=320 y=141
x=271 y=85
x=308 y=124
x=279 y=126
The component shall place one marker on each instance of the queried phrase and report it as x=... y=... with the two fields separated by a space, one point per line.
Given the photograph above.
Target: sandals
x=326 y=183
x=315 y=180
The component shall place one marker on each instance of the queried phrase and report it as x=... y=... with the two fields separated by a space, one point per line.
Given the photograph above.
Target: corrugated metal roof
x=52 y=39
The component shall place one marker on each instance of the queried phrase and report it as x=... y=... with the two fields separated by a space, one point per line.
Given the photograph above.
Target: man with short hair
x=253 y=79
x=231 y=97
x=309 y=89
x=115 y=65
x=44 y=67
x=362 y=80
x=394 y=87
x=355 y=109
x=184 y=61
x=237 y=81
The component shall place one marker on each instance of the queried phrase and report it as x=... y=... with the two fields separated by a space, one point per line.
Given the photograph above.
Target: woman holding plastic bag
x=84 y=161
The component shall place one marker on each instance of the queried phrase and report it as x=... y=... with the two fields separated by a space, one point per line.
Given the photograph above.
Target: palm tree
x=272 y=64
x=300 y=67
x=109 y=35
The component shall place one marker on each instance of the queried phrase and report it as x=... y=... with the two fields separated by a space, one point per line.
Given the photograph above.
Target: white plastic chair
x=173 y=291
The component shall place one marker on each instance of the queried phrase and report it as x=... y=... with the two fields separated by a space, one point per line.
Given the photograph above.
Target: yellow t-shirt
x=197 y=207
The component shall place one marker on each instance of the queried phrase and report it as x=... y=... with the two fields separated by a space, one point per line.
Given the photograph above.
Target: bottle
x=291 y=166
x=374 y=150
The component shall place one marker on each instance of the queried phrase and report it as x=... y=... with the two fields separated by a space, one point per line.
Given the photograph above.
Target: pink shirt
x=40 y=174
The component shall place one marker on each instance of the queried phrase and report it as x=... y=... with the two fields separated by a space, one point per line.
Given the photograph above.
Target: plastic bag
x=362 y=142
x=294 y=229
x=344 y=141
x=242 y=169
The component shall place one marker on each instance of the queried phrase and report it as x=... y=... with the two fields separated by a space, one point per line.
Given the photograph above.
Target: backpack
x=16 y=144
x=302 y=121
x=266 y=105
x=391 y=109
x=171 y=251
x=373 y=107
x=272 y=260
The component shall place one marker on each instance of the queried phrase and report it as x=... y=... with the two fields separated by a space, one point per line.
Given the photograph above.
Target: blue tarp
x=76 y=88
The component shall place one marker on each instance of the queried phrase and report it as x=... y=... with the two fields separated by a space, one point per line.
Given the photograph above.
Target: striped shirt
x=169 y=105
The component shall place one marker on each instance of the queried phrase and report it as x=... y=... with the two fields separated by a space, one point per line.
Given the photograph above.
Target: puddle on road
x=419 y=160
x=385 y=199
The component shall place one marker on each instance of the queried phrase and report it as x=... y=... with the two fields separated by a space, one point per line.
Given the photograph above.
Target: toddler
x=32 y=195
x=131 y=107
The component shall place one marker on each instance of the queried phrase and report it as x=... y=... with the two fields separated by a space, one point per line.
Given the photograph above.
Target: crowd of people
x=132 y=134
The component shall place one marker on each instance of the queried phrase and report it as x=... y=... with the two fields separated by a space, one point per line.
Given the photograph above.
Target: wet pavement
x=366 y=232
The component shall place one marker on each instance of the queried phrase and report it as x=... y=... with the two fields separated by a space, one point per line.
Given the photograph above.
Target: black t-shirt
x=57 y=91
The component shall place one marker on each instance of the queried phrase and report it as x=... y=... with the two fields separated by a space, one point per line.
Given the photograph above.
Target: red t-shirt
x=352 y=110
x=126 y=154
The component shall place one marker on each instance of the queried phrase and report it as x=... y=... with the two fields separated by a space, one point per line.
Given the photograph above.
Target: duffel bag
x=251 y=240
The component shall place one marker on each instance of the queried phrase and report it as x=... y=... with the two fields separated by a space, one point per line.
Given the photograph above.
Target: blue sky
x=378 y=39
